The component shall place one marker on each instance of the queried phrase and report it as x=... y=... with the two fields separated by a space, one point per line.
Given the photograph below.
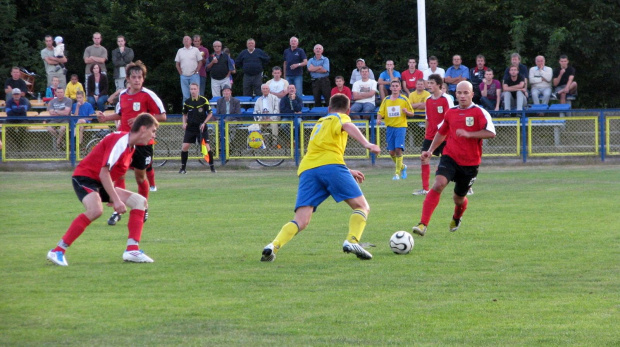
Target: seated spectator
x=81 y=108
x=490 y=89
x=541 y=77
x=364 y=93
x=267 y=103
x=50 y=92
x=417 y=99
x=15 y=81
x=411 y=76
x=455 y=74
x=72 y=88
x=228 y=104
x=278 y=86
x=564 y=79
x=356 y=75
x=17 y=105
x=514 y=90
x=59 y=106
x=97 y=88
x=386 y=78
x=476 y=75
x=341 y=88
x=291 y=103
x=433 y=68
x=515 y=60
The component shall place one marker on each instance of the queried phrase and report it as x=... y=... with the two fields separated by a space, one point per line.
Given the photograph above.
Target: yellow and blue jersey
x=327 y=142
x=392 y=111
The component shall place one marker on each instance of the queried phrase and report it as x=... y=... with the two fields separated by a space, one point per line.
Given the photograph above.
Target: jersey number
x=317 y=128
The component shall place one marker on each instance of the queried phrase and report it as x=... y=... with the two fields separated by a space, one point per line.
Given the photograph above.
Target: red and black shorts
x=85 y=185
x=142 y=157
x=463 y=176
x=426 y=145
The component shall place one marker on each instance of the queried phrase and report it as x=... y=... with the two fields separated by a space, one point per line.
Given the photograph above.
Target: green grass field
x=535 y=262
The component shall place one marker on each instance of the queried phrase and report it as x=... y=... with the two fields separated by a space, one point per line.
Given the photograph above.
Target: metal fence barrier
x=562 y=133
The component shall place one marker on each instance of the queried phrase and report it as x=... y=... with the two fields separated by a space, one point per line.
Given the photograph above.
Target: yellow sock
x=287 y=232
x=399 y=164
x=357 y=223
x=394 y=159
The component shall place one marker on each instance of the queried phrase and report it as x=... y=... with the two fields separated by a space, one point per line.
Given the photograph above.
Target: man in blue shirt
x=294 y=60
x=455 y=74
x=252 y=61
x=318 y=66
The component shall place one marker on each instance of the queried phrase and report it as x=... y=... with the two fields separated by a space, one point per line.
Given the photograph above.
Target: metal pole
x=422 y=60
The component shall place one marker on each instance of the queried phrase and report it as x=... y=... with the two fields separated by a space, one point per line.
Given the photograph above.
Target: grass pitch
x=535 y=262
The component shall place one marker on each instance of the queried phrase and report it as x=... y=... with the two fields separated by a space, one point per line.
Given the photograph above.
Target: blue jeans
x=298 y=81
x=99 y=104
x=186 y=81
x=203 y=85
x=487 y=103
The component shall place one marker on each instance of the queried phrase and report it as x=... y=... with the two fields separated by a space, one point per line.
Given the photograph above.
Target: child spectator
x=341 y=88
x=59 y=52
x=73 y=87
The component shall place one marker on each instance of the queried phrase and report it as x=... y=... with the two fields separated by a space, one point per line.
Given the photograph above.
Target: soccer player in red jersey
x=133 y=101
x=436 y=106
x=464 y=127
x=93 y=182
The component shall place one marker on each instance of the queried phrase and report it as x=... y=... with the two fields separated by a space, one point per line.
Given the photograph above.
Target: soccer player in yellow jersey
x=394 y=110
x=322 y=172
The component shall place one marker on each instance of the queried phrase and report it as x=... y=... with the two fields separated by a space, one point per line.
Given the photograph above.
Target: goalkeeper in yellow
x=322 y=172
x=394 y=111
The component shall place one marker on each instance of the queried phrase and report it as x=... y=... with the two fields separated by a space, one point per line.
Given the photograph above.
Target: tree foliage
x=377 y=30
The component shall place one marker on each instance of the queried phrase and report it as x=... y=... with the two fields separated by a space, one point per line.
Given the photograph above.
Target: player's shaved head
x=465 y=85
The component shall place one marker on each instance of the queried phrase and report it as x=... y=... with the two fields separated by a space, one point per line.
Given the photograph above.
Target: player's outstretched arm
x=355 y=133
x=161 y=117
x=480 y=134
x=102 y=118
x=437 y=140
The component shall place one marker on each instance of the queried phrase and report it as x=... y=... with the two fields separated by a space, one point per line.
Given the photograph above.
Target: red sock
x=135 y=224
x=143 y=188
x=120 y=183
x=426 y=175
x=430 y=203
x=76 y=229
x=150 y=175
x=459 y=210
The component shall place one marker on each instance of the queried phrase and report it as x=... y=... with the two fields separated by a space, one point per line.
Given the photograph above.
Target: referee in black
x=196 y=114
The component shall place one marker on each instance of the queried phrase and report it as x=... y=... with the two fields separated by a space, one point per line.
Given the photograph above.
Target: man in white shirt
x=364 y=93
x=433 y=68
x=188 y=63
x=278 y=86
x=541 y=77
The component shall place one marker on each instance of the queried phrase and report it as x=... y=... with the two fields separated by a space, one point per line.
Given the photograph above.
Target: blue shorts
x=395 y=138
x=316 y=185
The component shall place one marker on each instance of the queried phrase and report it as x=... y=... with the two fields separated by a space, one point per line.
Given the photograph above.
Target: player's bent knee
x=136 y=202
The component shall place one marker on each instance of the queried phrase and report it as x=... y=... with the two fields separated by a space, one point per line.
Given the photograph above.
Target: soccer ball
x=401 y=242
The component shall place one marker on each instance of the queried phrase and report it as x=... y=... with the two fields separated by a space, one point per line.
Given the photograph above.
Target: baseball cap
x=360 y=59
x=226 y=87
x=58 y=39
x=17 y=91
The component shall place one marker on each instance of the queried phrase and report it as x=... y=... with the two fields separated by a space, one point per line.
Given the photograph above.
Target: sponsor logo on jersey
x=136 y=106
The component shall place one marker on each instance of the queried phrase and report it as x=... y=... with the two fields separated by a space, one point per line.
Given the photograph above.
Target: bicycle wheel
x=267 y=151
x=162 y=150
x=270 y=162
x=84 y=150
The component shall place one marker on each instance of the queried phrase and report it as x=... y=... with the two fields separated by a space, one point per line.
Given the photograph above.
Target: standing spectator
x=93 y=182
x=232 y=62
x=411 y=76
x=340 y=88
x=188 y=62
x=51 y=63
x=541 y=77
x=196 y=114
x=455 y=74
x=252 y=60
x=356 y=74
x=59 y=106
x=436 y=106
x=514 y=90
x=291 y=103
x=15 y=81
x=278 y=86
x=386 y=78
x=515 y=60
x=73 y=87
x=322 y=172
x=318 y=66
x=17 y=105
x=95 y=54
x=220 y=68
x=433 y=68
x=490 y=90
x=204 y=52
x=121 y=56
x=134 y=101
x=294 y=60
x=395 y=109
x=364 y=93
x=463 y=129
x=476 y=75
x=417 y=98
x=564 y=79
x=228 y=104
x=97 y=86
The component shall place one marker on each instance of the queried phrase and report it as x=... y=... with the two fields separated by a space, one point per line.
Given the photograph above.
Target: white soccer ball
x=401 y=242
